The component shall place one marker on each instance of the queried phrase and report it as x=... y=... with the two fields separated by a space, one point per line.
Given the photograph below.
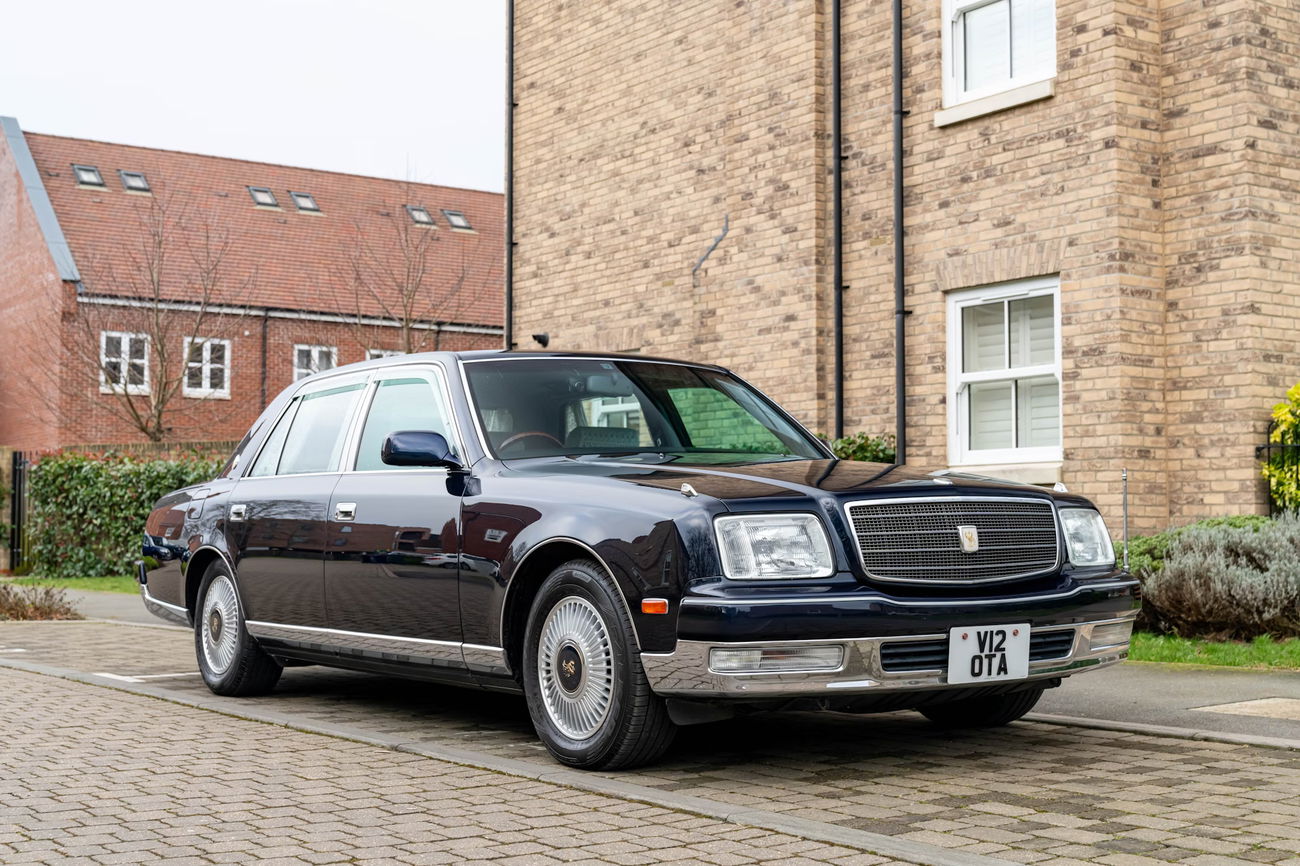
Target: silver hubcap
x=219 y=624
x=575 y=668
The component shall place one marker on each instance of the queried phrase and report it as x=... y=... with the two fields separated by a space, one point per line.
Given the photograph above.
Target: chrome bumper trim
x=875 y=598
x=475 y=657
x=685 y=671
x=170 y=612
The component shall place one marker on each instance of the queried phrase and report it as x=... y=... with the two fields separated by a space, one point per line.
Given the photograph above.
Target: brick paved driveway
x=1030 y=793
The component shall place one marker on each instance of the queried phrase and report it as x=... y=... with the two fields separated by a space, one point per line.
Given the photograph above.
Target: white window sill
x=996 y=102
x=1028 y=473
x=206 y=395
x=132 y=390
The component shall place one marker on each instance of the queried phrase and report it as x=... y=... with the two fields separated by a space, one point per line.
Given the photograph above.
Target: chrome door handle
x=345 y=510
x=238 y=513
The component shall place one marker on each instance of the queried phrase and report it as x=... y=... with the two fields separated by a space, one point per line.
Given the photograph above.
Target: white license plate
x=986 y=653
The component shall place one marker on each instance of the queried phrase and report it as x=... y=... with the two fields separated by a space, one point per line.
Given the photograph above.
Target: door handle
x=238 y=513
x=345 y=510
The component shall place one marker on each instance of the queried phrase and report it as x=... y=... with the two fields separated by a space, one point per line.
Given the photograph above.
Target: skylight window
x=305 y=201
x=263 y=196
x=456 y=219
x=419 y=215
x=88 y=175
x=135 y=181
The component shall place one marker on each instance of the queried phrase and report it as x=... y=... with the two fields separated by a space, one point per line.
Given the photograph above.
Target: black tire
x=572 y=606
x=231 y=663
x=990 y=712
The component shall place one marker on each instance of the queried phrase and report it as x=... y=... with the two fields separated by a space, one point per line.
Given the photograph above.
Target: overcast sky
x=405 y=89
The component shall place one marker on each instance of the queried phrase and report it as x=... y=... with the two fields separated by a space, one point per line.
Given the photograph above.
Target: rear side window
x=400 y=404
x=269 y=460
x=315 y=438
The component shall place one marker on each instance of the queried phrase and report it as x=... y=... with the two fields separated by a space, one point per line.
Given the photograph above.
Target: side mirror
x=418 y=448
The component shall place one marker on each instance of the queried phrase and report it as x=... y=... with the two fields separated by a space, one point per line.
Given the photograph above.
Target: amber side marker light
x=654 y=605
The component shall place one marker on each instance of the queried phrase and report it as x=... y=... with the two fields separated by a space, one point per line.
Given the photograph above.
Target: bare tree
x=151 y=324
x=410 y=282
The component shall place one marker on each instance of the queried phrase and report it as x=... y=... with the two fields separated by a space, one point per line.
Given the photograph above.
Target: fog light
x=1111 y=634
x=756 y=660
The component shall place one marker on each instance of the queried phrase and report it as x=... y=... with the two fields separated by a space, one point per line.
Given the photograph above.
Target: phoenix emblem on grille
x=970 y=538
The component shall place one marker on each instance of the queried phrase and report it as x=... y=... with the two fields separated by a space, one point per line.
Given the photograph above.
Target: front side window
x=207 y=368
x=406 y=403
x=995 y=45
x=123 y=362
x=313 y=359
x=635 y=410
x=1004 y=358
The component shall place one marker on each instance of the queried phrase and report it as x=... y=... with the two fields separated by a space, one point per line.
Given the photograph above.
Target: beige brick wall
x=1159 y=183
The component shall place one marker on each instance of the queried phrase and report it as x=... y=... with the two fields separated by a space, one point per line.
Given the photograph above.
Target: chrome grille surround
x=915 y=539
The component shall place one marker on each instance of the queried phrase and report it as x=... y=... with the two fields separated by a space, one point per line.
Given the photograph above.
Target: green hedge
x=86 y=512
x=865 y=447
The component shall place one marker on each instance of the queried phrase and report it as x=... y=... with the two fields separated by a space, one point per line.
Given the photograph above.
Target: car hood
x=733 y=481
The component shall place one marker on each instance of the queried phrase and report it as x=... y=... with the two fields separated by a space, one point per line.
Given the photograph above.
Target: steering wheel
x=520 y=436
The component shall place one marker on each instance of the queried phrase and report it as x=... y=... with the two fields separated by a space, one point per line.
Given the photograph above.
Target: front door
x=276 y=516
x=392 y=534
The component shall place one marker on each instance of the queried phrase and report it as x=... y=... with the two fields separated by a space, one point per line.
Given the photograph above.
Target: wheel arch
x=197 y=567
x=528 y=576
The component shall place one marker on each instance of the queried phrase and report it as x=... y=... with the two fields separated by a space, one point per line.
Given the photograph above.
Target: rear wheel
x=587 y=693
x=989 y=712
x=230 y=660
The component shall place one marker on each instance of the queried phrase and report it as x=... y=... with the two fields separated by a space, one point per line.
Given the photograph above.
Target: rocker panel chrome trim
x=487 y=659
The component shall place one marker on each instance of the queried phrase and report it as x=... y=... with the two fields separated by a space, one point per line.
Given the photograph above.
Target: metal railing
x=17 y=509
x=1284 y=458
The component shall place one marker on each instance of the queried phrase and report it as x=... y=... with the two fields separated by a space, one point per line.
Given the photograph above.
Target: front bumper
x=894 y=659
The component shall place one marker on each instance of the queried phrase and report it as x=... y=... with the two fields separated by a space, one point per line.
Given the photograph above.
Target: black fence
x=18 y=510
x=1283 y=459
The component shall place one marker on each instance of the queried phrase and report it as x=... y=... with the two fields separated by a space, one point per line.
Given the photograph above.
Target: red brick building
x=154 y=295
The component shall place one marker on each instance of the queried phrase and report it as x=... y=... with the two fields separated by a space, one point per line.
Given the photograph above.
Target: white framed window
x=372 y=354
x=991 y=46
x=313 y=359
x=207 y=368
x=457 y=219
x=1004 y=373
x=88 y=175
x=123 y=362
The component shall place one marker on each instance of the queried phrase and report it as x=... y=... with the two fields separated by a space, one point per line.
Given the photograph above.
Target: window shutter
x=982 y=338
x=1033 y=45
x=990 y=416
x=1038 y=413
x=1033 y=331
x=986 y=45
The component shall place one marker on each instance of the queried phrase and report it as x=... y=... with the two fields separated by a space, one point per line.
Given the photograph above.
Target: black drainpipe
x=900 y=314
x=510 y=177
x=266 y=318
x=837 y=218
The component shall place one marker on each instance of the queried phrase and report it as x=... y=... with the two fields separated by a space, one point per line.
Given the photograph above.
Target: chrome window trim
x=696 y=601
x=895 y=500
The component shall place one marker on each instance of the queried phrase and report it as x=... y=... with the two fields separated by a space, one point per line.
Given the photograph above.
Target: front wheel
x=587 y=693
x=990 y=712
x=230 y=660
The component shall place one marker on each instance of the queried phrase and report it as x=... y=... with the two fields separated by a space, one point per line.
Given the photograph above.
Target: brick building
x=149 y=293
x=1101 y=209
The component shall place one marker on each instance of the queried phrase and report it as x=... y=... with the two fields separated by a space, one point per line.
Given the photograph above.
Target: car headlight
x=1086 y=537
x=759 y=546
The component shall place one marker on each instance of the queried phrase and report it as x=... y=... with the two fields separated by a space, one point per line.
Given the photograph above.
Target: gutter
x=837 y=218
x=900 y=312
x=511 y=105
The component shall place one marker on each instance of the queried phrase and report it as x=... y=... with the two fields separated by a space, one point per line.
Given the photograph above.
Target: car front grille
x=908 y=656
x=918 y=540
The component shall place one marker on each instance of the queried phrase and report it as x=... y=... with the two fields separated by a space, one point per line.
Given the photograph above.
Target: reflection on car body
x=634 y=544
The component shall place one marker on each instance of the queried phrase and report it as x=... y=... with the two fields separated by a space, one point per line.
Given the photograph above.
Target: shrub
x=865 y=447
x=1146 y=553
x=1227 y=579
x=35 y=602
x=86 y=512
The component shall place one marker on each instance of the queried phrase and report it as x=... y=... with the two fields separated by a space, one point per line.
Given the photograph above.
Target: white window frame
x=959 y=381
x=206 y=366
x=954 y=59
x=107 y=387
x=373 y=354
x=300 y=373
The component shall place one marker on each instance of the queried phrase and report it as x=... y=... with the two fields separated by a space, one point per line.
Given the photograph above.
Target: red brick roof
x=276 y=258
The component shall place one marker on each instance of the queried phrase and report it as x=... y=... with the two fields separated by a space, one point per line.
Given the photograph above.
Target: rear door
x=277 y=512
x=392 y=532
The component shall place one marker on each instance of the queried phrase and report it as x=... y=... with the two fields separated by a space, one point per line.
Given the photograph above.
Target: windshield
x=546 y=407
